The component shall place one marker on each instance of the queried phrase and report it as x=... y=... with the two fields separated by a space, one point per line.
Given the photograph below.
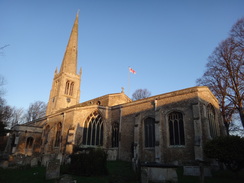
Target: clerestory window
x=176 y=128
x=93 y=130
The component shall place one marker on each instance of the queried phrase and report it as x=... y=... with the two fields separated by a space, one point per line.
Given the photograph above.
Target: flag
x=132 y=71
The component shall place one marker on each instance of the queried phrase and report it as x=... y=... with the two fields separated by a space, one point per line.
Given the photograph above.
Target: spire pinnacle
x=69 y=64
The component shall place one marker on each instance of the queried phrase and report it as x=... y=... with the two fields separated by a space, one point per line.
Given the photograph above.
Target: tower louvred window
x=69 y=88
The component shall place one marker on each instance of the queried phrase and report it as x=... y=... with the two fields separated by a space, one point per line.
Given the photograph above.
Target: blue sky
x=167 y=42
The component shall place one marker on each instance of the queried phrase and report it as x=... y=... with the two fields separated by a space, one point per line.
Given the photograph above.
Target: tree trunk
x=241 y=112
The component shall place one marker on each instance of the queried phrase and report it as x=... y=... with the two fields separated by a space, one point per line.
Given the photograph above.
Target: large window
x=212 y=122
x=115 y=134
x=176 y=129
x=149 y=132
x=58 y=135
x=93 y=130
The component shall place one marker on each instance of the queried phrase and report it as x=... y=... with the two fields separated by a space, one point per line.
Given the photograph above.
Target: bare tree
x=36 y=110
x=17 y=117
x=140 y=94
x=2 y=82
x=237 y=32
x=5 y=114
x=224 y=75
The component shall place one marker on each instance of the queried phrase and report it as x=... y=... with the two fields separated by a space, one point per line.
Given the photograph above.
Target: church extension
x=166 y=128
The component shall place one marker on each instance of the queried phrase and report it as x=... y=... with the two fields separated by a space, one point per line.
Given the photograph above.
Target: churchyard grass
x=119 y=171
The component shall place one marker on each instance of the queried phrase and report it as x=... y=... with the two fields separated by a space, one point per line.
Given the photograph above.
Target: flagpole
x=128 y=81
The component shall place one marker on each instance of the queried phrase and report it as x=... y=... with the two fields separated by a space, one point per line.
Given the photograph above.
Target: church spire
x=69 y=64
x=65 y=91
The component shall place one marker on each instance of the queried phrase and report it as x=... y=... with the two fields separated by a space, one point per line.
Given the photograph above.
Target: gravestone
x=45 y=160
x=34 y=162
x=195 y=171
x=4 y=164
x=60 y=157
x=53 y=170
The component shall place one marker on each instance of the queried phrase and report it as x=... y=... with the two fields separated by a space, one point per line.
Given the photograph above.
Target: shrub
x=228 y=150
x=89 y=162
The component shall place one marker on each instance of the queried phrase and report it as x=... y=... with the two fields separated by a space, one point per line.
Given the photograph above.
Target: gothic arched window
x=115 y=134
x=58 y=135
x=212 y=122
x=93 y=130
x=29 y=143
x=149 y=132
x=69 y=88
x=176 y=129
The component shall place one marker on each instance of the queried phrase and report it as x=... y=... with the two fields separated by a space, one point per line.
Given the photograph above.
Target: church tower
x=65 y=90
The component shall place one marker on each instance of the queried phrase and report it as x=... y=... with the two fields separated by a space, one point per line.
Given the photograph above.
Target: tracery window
x=149 y=132
x=58 y=135
x=212 y=122
x=115 y=134
x=69 y=87
x=176 y=128
x=29 y=143
x=93 y=130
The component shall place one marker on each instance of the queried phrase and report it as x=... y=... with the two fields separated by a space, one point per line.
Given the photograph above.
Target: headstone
x=66 y=179
x=4 y=164
x=144 y=175
x=60 y=157
x=53 y=170
x=34 y=162
x=45 y=160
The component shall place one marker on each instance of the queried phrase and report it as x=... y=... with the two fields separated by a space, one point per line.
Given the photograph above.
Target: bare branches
x=225 y=74
x=36 y=110
x=1 y=48
x=140 y=94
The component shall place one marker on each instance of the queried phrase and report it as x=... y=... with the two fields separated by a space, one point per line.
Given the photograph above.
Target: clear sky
x=167 y=42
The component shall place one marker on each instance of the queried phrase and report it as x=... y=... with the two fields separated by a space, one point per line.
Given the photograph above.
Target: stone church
x=166 y=128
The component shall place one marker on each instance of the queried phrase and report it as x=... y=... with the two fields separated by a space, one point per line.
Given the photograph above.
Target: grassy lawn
x=119 y=172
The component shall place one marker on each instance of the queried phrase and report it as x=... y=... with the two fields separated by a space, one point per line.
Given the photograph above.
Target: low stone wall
x=196 y=171
x=158 y=173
